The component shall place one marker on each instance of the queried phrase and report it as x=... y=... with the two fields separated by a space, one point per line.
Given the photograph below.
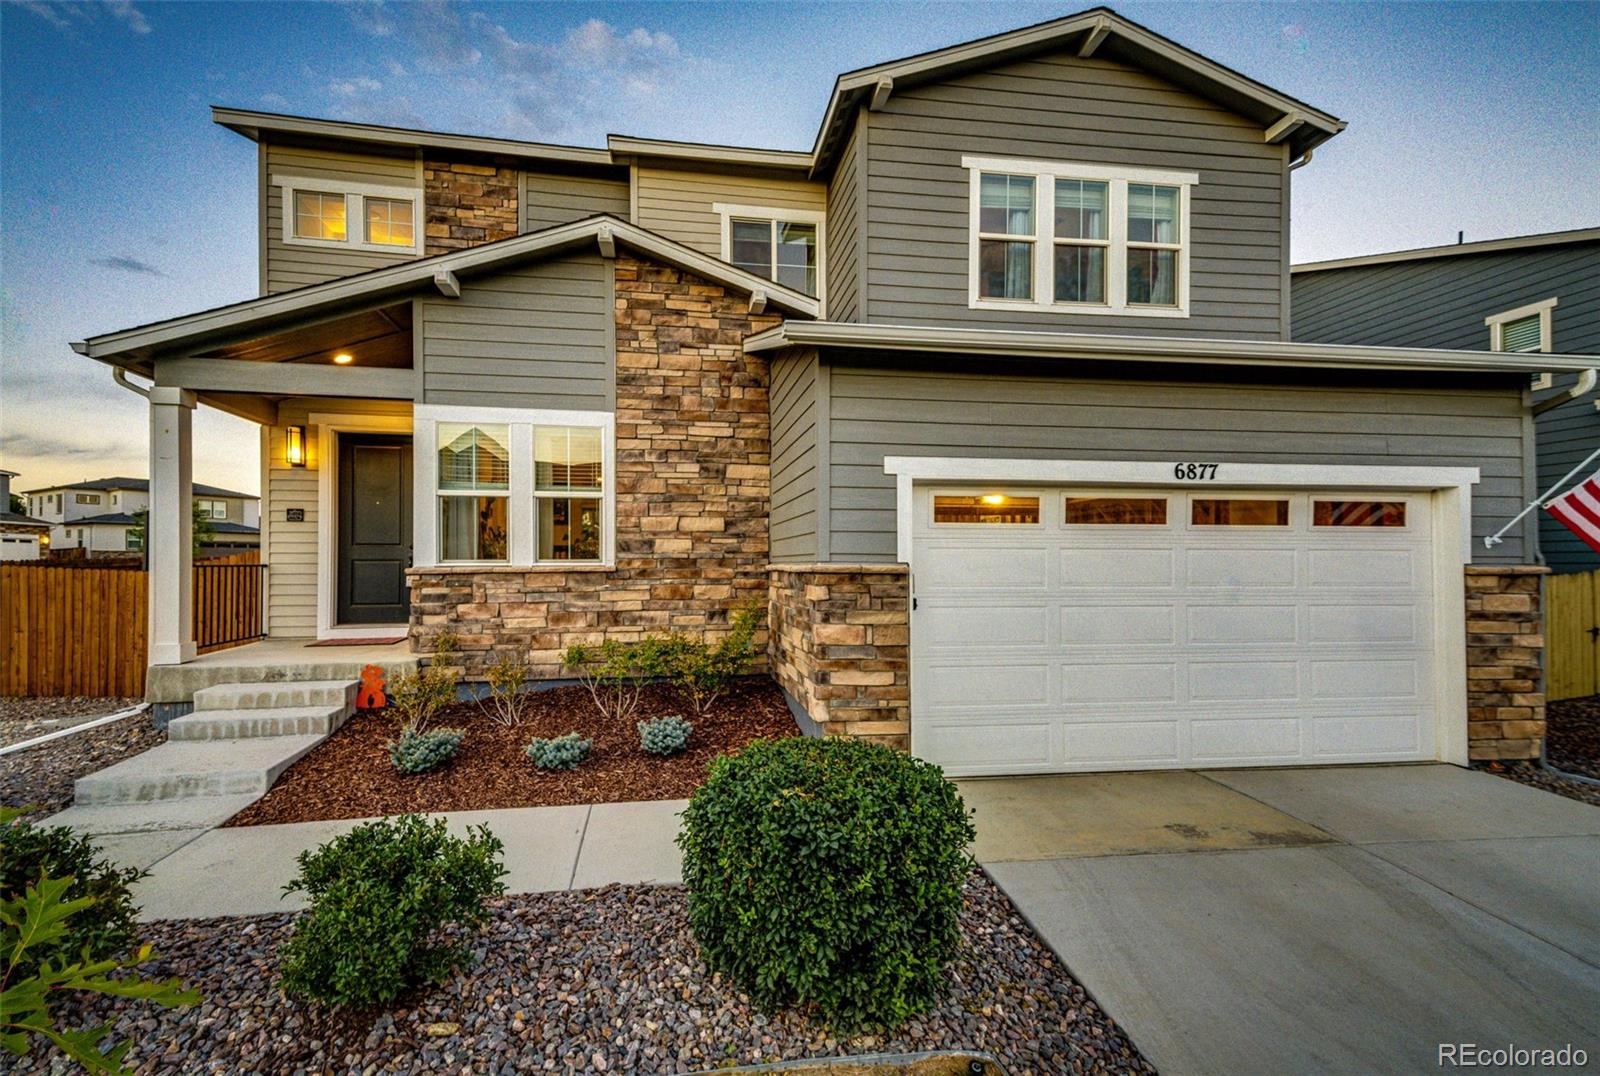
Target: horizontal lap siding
x=535 y=336
x=291 y=266
x=549 y=199
x=843 y=254
x=1441 y=302
x=678 y=205
x=794 y=457
x=1089 y=111
x=951 y=408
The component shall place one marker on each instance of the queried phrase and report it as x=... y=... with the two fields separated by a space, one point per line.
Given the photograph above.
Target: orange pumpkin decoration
x=371 y=696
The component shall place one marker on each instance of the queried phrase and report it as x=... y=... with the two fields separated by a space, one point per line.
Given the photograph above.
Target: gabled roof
x=1450 y=250
x=138 y=485
x=1098 y=31
x=131 y=347
x=1086 y=347
x=17 y=519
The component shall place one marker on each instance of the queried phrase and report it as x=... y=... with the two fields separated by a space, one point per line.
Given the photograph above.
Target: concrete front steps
x=238 y=740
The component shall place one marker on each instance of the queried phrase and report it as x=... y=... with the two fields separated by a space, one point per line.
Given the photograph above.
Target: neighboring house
x=989 y=396
x=21 y=536
x=99 y=515
x=1528 y=293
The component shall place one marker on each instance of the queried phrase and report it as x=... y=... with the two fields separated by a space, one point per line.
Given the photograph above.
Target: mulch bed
x=24 y=717
x=350 y=775
x=1572 y=735
x=43 y=775
x=1531 y=773
x=600 y=980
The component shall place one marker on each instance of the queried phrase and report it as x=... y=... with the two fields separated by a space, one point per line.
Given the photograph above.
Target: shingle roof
x=139 y=485
x=18 y=519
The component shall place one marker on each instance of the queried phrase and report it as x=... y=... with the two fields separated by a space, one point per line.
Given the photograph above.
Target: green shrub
x=703 y=671
x=382 y=897
x=506 y=678
x=419 y=752
x=560 y=753
x=419 y=697
x=98 y=930
x=35 y=926
x=664 y=735
x=828 y=872
x=616 y=672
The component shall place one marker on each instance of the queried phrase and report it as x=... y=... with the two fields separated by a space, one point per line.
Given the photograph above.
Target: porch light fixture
x=294 y=446
x=344 y=358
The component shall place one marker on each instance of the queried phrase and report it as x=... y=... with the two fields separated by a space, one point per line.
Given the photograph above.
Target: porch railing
x=229 y=604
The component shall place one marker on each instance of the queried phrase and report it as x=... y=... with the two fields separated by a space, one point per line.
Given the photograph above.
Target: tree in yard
x=203 y=530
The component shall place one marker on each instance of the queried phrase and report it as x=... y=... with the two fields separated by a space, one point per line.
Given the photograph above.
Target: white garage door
x=1078 y=629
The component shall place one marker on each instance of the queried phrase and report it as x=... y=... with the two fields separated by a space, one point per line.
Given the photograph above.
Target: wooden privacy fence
x=83 y=630
x=1572 y=635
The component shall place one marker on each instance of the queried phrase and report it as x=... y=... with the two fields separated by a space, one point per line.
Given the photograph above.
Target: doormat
x=376 y=640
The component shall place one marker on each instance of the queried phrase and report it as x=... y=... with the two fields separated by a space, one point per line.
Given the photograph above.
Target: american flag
x=1578 y=509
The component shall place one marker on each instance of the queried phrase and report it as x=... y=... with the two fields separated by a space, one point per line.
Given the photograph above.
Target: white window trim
x=211 y=504
x=1116 y=178
x=1543 y=308
x=728 y=212
x=521 y=517
x=355 y=213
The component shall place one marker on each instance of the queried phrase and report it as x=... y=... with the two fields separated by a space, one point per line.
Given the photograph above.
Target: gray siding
x=1441 y=302
x=845 y=229
x=1060 y=108
x=287 y=265
x=953 y=408
x=535 y=336
x=548 y=199
x=678 y=204
x=793 y=519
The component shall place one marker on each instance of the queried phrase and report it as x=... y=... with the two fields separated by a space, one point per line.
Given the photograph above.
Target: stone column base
x=1505 y=650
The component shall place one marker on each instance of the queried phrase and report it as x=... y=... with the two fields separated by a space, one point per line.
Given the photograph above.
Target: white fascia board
x=1029 y=344
x=1485 y=246
x=625 y=145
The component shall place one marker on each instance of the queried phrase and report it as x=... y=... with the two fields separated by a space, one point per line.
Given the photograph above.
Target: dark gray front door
x=374 y=528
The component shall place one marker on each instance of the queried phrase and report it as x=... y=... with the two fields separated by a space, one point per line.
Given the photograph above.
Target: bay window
x=1078 y=238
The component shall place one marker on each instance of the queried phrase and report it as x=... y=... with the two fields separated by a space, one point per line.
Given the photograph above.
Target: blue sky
x=121 y=203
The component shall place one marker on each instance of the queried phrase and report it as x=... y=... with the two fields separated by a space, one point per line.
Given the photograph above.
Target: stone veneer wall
x=465 y=204
x=1505 y=648
x=692 y=481
x=840 y=645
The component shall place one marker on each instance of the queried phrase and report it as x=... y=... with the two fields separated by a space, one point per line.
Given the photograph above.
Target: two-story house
x=22 y=537
x=989 y=395
x=1537 y=294
x=101 y=515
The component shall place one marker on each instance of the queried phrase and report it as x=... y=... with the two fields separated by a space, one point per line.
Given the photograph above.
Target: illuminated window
x=319 y=215
x=986 y=508
x=391 y=222
x=1119 y=511
x=1208 y=512
x=1358 y=514
x=474 y=486
x=568 y=484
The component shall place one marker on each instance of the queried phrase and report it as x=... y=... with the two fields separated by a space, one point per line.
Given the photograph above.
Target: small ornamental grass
x=419 y=752
x=664 y=735
x=828 y=872
x=383 y=899
x=560 y=753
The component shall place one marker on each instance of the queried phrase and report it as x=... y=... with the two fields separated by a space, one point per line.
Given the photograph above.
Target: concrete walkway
x=242 y=871
x=1341 y=919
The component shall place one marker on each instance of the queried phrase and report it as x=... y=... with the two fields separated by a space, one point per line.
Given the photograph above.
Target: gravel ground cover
x=43 y=775
x=350 y=776
x=23 y=718
x=1572 y=735
x=600 y=980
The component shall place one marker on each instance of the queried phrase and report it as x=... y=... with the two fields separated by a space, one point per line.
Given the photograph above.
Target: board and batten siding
x=539 y=335
x=949 y=407
x=548 y=199
x=288 y=265
x=793 y=519
x=1061 y=108
x=677 y=204
x=844 y=231
x=1441 y=302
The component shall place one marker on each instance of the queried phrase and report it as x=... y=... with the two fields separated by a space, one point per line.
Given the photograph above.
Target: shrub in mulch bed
x=349 y=775
x=43 y=775
x=600 y=980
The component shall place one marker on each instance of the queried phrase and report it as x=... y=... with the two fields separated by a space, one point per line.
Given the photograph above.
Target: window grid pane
x=472 y=528
x=390 y=222
x=569 y=528
x=986 y=508
x=1080 y=209
x=750 y=246
x=1152 y=214
x=319 y=215
x=1005 y=204
x=567 y=458
x=1207 y=512
x=1080 y=274
x=797 y=256
x=1152 y=277
x=1005 y=269
x=474 y=457
x=1116 y=511
x=1358 y=514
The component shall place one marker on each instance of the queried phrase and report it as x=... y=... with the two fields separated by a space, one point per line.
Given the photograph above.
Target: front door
x=374 y=528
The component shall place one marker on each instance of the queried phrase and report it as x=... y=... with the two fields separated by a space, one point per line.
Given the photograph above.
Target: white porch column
x=169 y=526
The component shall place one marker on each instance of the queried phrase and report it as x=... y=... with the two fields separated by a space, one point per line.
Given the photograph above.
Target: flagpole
x=1540 y=502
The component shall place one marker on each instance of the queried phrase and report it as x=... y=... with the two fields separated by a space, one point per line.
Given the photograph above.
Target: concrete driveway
x=1348 y=919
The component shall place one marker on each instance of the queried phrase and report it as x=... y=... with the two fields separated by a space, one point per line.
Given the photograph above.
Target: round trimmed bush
x=828 y=872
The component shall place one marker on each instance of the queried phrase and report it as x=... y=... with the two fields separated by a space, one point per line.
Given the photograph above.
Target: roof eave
x=1451 y=250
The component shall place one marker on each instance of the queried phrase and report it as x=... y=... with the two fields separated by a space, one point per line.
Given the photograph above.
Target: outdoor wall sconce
x=295 y=446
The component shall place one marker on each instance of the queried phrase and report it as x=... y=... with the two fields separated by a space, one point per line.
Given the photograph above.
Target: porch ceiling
x=376 y=339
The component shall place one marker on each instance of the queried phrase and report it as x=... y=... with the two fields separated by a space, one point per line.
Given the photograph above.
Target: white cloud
x=353 y=87
x=68 y=16
x=126 y=12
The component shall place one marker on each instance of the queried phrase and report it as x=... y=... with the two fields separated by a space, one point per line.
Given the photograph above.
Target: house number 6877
x=1195 y=472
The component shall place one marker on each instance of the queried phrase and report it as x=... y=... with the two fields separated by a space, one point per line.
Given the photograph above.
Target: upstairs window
x=87 y=498
x=1527 y=328
x=213 y=509
x=1079 y=238
x=354 y=216
x=781 y=245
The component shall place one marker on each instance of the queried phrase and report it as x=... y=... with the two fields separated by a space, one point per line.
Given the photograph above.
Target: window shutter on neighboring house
x=1524 y=334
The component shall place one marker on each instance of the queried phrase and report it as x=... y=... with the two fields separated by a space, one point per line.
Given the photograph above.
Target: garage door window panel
x=990 y=509
x=1238 y=512
x=1354 y=513
x=1115 y=511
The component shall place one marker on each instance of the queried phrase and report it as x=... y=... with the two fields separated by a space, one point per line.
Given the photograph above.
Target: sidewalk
x=203 y=873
